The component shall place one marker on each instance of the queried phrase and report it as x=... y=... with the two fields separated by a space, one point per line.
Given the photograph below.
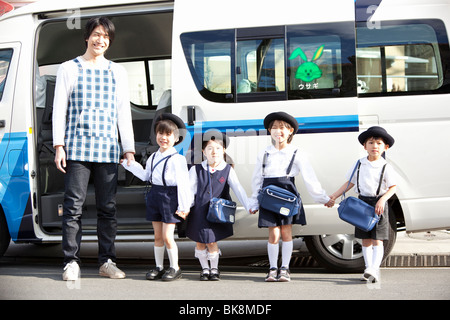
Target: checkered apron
x=91 y=132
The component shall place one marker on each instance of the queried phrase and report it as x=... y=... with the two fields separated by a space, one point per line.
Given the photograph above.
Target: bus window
x=137 y=82
x=157 y=73
x=160 y=77
x=260 y=65
x=210 y=56
x=313 y=63
x=321 y=60
x=399 y=58
x=273 y=63
x=5 y=60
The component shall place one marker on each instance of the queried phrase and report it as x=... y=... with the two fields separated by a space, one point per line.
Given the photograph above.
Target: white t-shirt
x=369 y=177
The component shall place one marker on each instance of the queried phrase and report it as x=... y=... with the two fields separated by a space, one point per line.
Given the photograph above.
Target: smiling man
x=90 y=109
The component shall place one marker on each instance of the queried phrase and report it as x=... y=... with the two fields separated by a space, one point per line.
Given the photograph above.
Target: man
x=91 y=107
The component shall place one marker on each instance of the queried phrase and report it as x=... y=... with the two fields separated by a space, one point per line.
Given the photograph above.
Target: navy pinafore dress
x=199 y=229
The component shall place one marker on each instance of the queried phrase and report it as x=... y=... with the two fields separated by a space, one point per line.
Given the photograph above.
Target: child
x=222 y=176
x=169 y=197
x=278 y=165
x=367 y=179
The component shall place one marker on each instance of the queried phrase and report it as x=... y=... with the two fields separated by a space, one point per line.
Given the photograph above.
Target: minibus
x=339 y=67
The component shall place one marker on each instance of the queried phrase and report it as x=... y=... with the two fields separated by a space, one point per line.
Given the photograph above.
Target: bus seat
x=51 y=179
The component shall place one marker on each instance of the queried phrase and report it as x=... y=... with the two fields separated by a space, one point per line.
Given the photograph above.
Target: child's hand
x=379 y=207
x=252 y=211
x=182 y=214
x=331 y=202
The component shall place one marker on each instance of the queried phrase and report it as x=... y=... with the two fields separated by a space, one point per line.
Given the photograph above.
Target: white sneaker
x=71 y=271
x=109 y=269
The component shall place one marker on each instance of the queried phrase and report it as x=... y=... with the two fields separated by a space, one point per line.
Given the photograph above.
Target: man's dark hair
x=100 y=21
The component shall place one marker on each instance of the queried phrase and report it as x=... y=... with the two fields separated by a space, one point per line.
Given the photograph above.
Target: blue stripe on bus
x=14 y=181
x=342 y=123
x=253 y=127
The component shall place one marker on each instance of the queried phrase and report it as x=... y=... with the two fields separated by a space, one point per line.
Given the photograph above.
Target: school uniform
x=274 y=172
x=222 y=177
x=170 y=190
x=366 y=181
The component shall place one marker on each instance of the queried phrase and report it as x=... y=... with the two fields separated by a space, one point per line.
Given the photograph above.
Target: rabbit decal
x=308 y=70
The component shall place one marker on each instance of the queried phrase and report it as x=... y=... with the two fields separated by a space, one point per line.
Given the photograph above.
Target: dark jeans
x=76 y=181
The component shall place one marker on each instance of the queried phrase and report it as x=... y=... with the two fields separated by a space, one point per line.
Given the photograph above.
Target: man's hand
x=129 y=156
x=60 y=158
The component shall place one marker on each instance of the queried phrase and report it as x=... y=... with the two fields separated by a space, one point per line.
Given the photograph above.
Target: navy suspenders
x=164 y=168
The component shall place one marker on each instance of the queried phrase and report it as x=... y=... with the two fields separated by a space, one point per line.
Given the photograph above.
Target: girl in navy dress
x=169 y=198
x=278 y=165
x=222 y=176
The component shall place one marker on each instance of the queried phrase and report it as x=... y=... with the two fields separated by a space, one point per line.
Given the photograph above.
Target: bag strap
x=209 y=180
x=357 y=165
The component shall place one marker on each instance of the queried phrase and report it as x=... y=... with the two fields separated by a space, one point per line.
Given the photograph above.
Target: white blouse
x=369 y=177
x=233 y=182
x=277 y=162
x=176 y=174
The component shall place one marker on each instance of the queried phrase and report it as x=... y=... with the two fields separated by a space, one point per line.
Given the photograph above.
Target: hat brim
x=376 y=132
x=175 y=119
x=283 y=116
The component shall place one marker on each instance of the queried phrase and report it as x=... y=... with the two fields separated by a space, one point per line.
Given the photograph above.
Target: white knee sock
x=202 y=256
x=272 y=250
x=378 y=252
x=213 y=258
x=368 y=256
x=159 y=257
x=286 y=253
x=173 y=257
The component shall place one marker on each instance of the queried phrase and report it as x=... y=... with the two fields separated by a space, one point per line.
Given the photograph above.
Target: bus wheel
x=4 y=234
x=337 y=252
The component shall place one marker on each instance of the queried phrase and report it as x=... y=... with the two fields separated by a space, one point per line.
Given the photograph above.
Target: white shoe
x=109 y=269
x=71 y=271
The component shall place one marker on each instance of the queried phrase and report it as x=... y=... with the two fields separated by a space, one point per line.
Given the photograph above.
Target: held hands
x=182 y=214
x=331 y=202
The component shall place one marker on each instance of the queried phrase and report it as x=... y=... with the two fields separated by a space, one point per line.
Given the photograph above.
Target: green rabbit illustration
x=307 y=71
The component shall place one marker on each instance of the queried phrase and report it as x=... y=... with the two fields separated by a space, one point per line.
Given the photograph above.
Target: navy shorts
x=162 y=203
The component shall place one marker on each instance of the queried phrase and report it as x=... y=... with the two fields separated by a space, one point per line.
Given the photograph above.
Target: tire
x=342 y=253
x=5 y=238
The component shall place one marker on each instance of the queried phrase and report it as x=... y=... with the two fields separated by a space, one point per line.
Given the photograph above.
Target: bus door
x=233 y=65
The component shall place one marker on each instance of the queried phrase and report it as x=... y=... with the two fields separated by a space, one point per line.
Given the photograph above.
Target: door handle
x=191 y=115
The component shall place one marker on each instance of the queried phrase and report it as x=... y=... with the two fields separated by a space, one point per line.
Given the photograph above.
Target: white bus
x=338 y=66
